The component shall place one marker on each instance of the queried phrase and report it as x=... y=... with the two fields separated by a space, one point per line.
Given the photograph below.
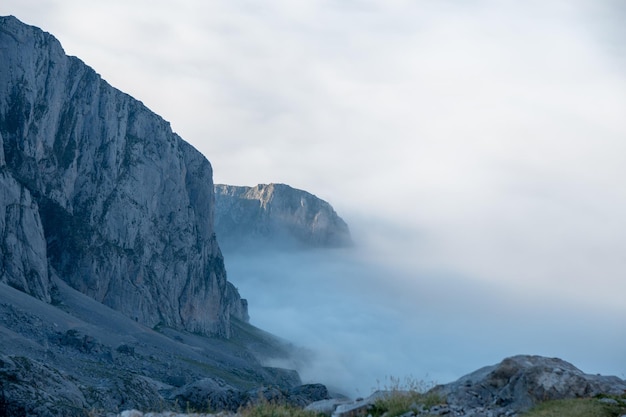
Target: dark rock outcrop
x=96 y=188
x=31 y=388
x=211 y=394
x=276 y=215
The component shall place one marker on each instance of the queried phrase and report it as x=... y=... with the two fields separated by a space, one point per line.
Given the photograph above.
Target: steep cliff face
x=98 y=189
x=23 y=262
x=276 y=214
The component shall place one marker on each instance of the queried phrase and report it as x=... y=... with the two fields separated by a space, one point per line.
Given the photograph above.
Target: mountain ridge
x=113 y=290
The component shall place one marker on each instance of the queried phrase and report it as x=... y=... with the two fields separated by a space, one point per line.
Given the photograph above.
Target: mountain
x=276 y=215
x=97 y=190
x=113 y=291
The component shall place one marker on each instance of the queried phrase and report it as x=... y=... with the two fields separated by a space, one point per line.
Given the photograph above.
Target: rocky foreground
x=509 y=388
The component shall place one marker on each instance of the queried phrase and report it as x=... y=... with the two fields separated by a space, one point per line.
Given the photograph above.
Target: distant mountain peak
x=276 y=215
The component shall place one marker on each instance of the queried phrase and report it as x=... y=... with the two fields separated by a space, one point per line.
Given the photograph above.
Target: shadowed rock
x=31 y=388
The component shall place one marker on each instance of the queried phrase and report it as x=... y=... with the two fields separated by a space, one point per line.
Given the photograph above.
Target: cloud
x=365 y=320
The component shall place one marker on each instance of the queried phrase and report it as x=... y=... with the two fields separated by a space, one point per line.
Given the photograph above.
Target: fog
x=363 y=321
x=476 y=149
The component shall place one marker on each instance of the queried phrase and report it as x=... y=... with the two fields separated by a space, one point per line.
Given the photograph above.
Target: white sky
x=486 y=139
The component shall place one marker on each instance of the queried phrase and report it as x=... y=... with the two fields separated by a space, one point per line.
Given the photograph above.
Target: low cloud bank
x=364 y=320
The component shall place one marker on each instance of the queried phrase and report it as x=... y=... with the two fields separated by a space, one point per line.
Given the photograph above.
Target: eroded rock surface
x=97 y=187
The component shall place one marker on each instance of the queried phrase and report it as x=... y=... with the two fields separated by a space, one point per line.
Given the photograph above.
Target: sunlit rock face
x=97 y=188
x=276 y=215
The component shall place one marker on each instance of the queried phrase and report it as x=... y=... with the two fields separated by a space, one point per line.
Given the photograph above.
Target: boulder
x=519 y=382
x=303 y=395
x=210 y=394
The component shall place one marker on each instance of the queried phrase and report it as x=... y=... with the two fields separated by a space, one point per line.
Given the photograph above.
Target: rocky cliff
x=276 y=215
x=97 y=189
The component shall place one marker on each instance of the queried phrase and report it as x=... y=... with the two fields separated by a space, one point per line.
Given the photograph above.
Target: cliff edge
x=97 y=189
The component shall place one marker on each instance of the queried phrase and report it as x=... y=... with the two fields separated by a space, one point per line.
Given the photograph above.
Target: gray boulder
x=276 y=215
x=303 y=395
x=343 y=407
x=518 y=383
x=210 y=394
x=328 y=407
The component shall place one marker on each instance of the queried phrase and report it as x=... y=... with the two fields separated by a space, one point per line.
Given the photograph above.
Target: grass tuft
x=405 y=396
x=579 y=407
x=269 y=409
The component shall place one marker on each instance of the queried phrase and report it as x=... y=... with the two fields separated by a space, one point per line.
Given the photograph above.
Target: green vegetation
x=404 y=396
x=580 y=407
x=268 y=409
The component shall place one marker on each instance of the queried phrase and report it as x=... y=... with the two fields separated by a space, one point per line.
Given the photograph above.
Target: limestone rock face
x=276 y=214
x=99 y=188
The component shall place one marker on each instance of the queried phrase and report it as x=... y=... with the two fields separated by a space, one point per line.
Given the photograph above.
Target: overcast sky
x=478 y=139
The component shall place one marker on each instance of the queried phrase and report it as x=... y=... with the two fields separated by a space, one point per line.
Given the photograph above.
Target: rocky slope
x=77 y=357
x=276 y=215
x=97 y=190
